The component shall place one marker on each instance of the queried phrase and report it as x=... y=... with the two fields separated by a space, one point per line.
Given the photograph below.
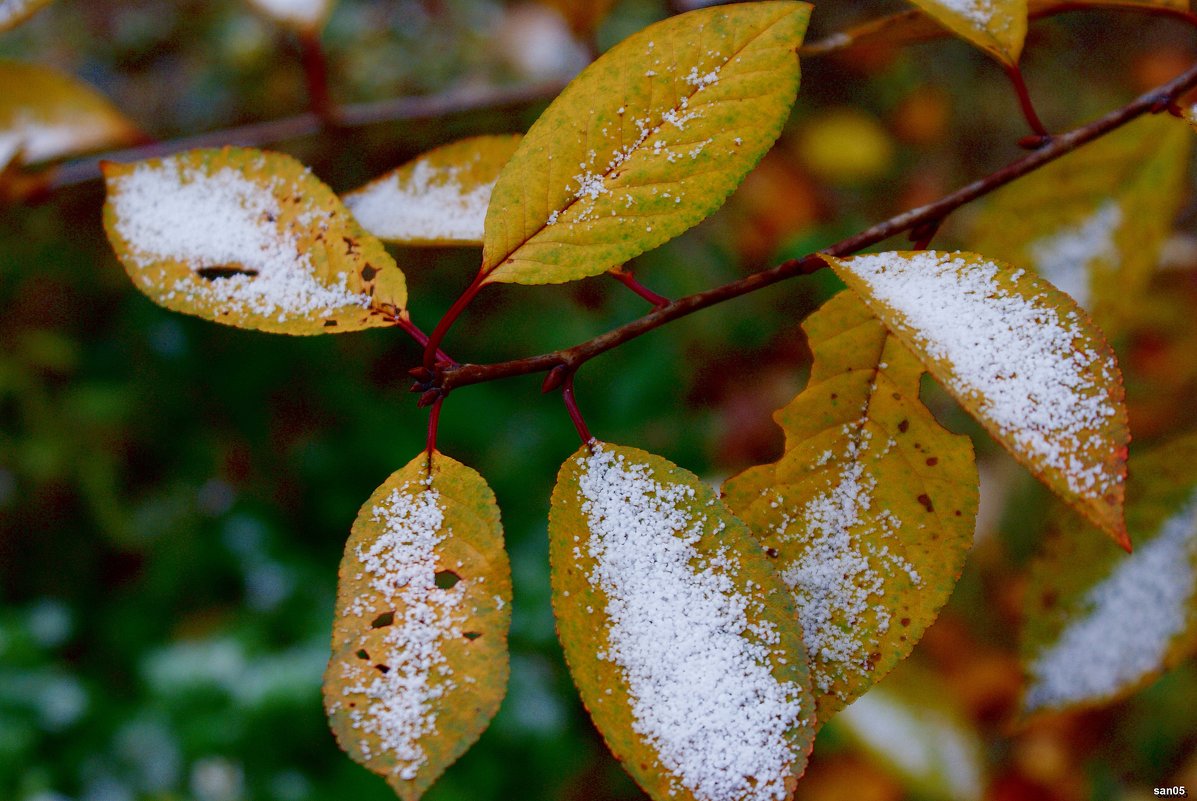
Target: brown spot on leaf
x=925 y=500
x=902 y=426
x=383 y=620
x=932 y=461
x=224 y=271
x=368 y=272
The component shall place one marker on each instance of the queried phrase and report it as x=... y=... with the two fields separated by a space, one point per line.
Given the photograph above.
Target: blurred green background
x=174 y=495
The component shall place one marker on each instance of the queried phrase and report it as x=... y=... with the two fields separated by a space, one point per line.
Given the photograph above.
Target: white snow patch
x=922 y=743
x=979 y=12
x=1026 y=364
x=302 y=12
x=700 y=683
x=401 y=564
x=430 y=204
x=1127 y=623
x=176 y=212
x=47 y=138
x=1066 y=257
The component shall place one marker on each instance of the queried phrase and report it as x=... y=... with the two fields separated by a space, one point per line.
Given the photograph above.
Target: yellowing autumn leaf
x=14 y=12
x=419 y=650
x=1100 y=624
x=1020 y=356
x=304 y=15
x=645 y=142
x=869 y=513
x=439 y=198
x=911 y=727
x=1093 y=223
x=45 y=114
x=996 y=26
x=251 y=239
x=680 y=637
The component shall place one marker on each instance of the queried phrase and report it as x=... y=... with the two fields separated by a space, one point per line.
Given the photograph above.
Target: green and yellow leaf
x=1020 y=356
x=14 y=12
x=1093 y=223
x=869 y=514
x=45 y=115
x=1101 y=624
x=645 y=143
x=911 y=727
x=439 y=198
x=680 y=637
x=996 y=26
x=302 y=15
x=419 y=648
x=251 y=239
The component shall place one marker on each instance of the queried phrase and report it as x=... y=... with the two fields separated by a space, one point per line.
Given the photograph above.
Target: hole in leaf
x=383 y=669
x=446 y=579
x=368 y=272
x=472 y=635
x=362 y=654
x=383 y=620
x=226 y=271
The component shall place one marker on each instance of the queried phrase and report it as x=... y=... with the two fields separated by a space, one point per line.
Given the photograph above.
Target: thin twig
x=1157 y=99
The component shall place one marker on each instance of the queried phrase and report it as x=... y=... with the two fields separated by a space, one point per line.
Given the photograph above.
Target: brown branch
x=357 y=115
x=1154 y=101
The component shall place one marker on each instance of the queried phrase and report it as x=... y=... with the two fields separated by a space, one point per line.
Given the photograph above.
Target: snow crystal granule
x=980 y=12
x=429 y=204
x=401 y=564
x=171 y=212
x=1029 y=367
x=1126 y=623
x=297 y=11
x=700 y=684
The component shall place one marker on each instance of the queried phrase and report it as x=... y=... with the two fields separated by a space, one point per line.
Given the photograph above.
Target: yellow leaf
x=680 y=637
x=1020 y=356
x=869 y=513
x=439 y=198
x=419 y=649
x=46 y=115
x=1100 y=624
x=910 y=725
x=1093 y=222
x=996 y=26
x=303 y=15
x=646 y=142
x=583 y=16
x=14 y=12
x=251 y=239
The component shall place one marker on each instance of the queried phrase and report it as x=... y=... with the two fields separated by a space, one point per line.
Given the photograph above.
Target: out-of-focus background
x=174 y=494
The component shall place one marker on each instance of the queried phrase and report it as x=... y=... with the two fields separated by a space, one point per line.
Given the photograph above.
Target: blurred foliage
x=175 y=495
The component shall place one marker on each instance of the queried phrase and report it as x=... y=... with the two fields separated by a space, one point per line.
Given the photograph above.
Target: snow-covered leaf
x=45 y=114
x=303 y=15
x=996 y=26
x=439 y=198
x=251 y=239
x=869 y=513
x=682 y=640
x=1093 y=222
x=419 y=648
x=14 y=12
x=1020 y=356
x=909 y=726
x=1100 y=624
x=646 y=142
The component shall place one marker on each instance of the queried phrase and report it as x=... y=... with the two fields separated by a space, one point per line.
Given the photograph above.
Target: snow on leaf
x=869 y=513
x=914 y=730
x=1101 y=624
x=1093 y=223
x=680 y=637
x=304 y=15
x=996 y=26
x=646 y=142
x=14 y=12
x=419 y=648
x=45 y=114
x=251 y=239
x=1020 y=356
x=439 y=198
